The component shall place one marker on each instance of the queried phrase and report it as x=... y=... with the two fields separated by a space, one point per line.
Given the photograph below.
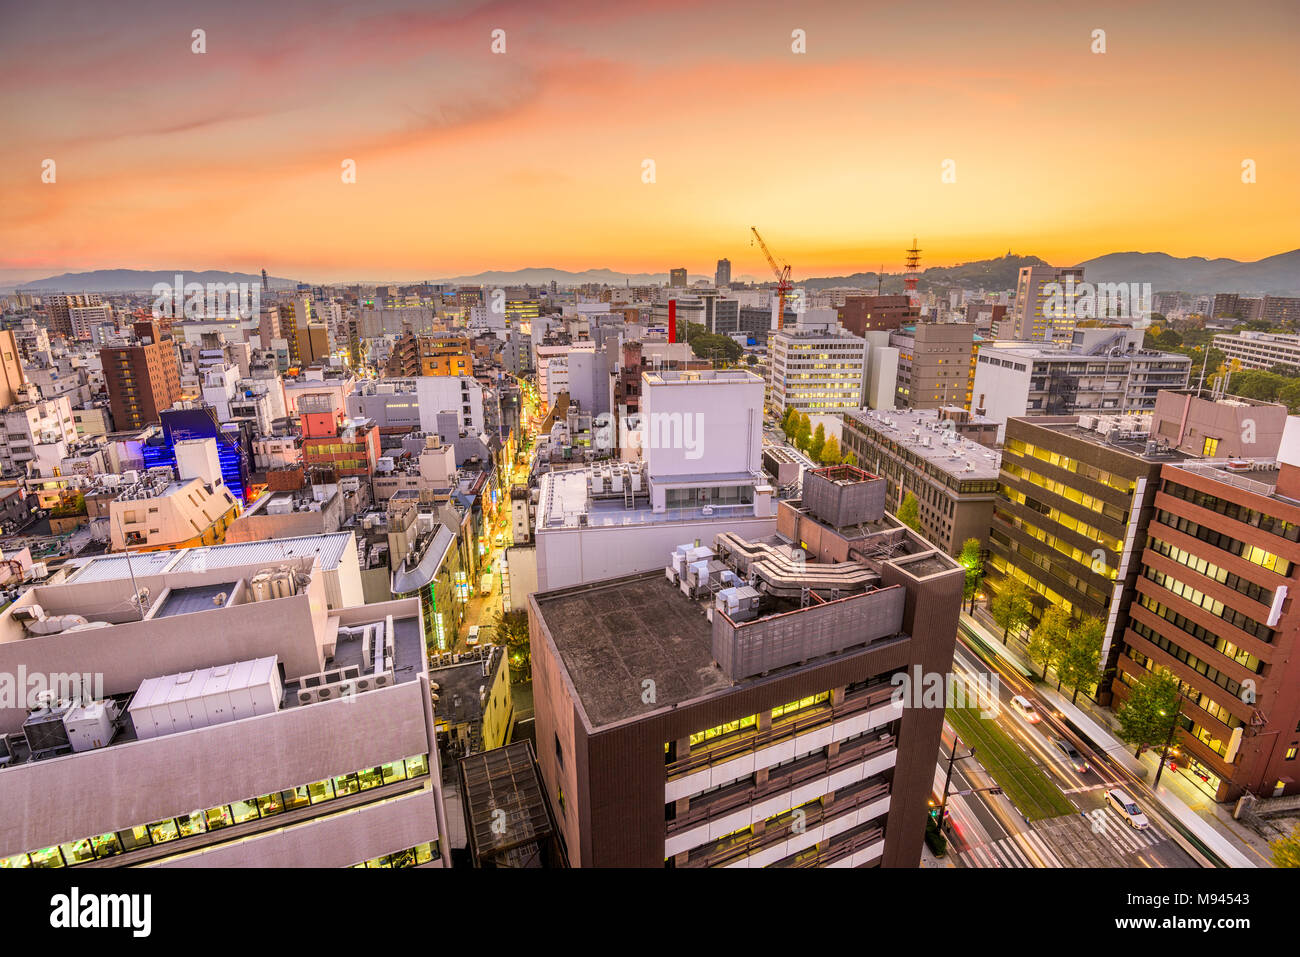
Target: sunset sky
x=468 y=160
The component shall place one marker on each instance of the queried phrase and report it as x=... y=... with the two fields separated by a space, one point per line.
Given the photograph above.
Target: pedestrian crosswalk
x=1056 y=842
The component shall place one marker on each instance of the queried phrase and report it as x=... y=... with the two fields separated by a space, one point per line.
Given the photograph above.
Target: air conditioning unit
x=383 y=680
x=306 y=695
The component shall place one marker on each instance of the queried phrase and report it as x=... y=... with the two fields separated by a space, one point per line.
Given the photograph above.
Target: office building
x=1212 y=607
x=160 y=512
x=677 y=278
x=862 y=314
x=936 y=365
x=686 y=718
x=1260 y=350
x=722 y=276
x=243 y=717
x=142 y=379
x=945 y=457
x=816 y=366
x=1104 y=370
x=1033 y=315
x=398 y=406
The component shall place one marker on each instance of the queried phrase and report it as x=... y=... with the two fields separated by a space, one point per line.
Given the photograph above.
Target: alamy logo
x=931 y=689
x=1107 y=300
x=212 y=300
x=131 y=911
x=654 y=430
x=35 y=689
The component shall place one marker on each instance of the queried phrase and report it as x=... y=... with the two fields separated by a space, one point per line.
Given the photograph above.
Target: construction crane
x=782 y=273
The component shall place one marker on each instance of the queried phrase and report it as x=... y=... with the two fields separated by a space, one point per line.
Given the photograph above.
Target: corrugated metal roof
x=328 y=547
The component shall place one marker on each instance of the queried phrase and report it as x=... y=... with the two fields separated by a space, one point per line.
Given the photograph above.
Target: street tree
x=1011 y=607
x=1081 y=665
x=1048 y=643
x=1286 y=849
x=831 y=452
x=971 y=559
x=818 y=443
x=1150 y=716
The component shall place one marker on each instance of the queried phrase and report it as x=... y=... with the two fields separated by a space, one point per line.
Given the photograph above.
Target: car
x=472 y=640
x=1127 y=808
x=1020 y=704
x=1071 y=754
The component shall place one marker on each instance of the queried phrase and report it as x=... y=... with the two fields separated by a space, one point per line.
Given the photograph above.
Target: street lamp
x=947 y=778
x=1164 y=754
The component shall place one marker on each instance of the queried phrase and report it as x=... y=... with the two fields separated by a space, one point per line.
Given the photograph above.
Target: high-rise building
x=816 y=366
x=722 y=277
x=1279 y=309
x=686 y=718
x=936 y=364
x=1212 y=607
x=89 y=308
x=677 y=278
x=249 y=711
x=143 y=378
x=1033 y=315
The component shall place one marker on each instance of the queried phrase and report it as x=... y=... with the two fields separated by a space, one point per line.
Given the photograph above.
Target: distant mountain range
x=142 y=280
x=1275 y=275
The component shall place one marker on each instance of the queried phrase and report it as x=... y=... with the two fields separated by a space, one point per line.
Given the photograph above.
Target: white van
x=472 y=640
x=1127 y=808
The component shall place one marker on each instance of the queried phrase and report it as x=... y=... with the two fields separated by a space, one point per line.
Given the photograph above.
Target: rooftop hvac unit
x=92 y=726
x=45 y=731
x=261 y=585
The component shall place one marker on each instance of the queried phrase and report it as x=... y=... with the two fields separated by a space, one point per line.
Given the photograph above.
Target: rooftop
x=932 y=441
x=1130 y=434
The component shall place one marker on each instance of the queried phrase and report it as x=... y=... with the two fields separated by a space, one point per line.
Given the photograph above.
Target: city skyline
x=469 y=160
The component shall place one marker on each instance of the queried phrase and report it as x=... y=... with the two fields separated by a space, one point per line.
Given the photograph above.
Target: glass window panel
x=50 y=857
x=218 y=817
x=269 y=804
x=298 y=797
x=370 y=778
x=18 y=860
x=78 y=852
x=133 y=838
x=394 y=772
x=424 y=853
x=189 y=824
x=417 y=765
x=241 y=811
x=321 y=791
x=346 y=784
x=164 y=831
x=106 y=845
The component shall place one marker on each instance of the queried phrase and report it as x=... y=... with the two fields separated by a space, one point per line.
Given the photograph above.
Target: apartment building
x=400 y=405
x=1033 y=315
x=688 y=719
x=303 y=737
x=1280 y=309
x=28 y=425
x=817 y=367
x=142 y=379
x=160 y=513
x=1260 y=350
x=1104 y=370
x=1220 y=556
x=89 y=309
x=936 y=365
x=930 y=453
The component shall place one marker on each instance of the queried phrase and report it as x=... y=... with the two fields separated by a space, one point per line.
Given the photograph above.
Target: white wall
x=725 y=432
x=1002 y=392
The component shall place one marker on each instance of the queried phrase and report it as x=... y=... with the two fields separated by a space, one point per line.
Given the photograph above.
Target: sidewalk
x=1233 y=842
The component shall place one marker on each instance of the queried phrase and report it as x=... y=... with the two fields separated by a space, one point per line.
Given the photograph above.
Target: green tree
x=512 y=630
x=818 y=443
x=1011 y=607
x=1081 y=665
x=803 y=433
x=851 y=459
x=1286 y=850
x=971 y=558
x=1048 y=643
x=909 y=513
x=831 y=454
x=1151 y=712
